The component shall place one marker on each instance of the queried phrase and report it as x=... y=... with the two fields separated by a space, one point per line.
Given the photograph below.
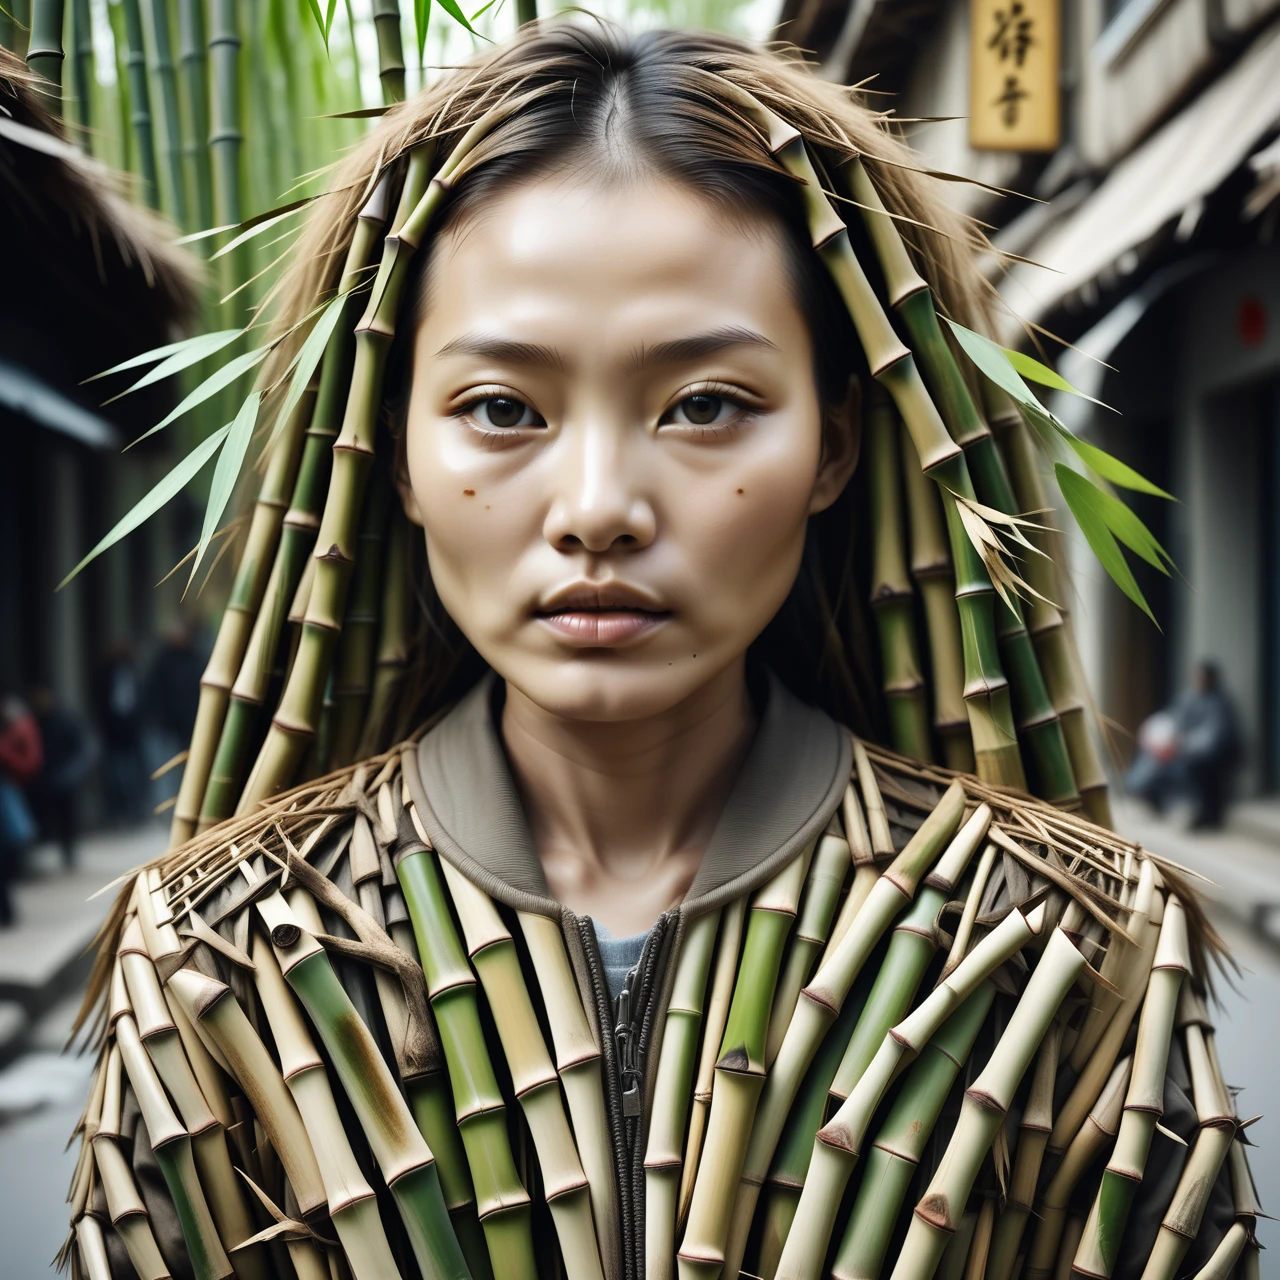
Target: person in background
x=119 y=709
x=21 y=757
x=68 y=756
x=170 y=699
x=1191 y=749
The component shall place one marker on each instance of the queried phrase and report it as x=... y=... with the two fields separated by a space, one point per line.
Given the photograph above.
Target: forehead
x=623 y=261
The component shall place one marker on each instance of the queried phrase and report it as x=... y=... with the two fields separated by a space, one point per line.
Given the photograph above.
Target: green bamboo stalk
x=82 y=71
x=501 y=1199
x=1033 y=1136
x=827 y=871
x=44 y=47
x=351 y=1200
x=821 y=1001
x=985 y=1103
x=728 y=947
x=1144 y=1102
x=226 y=137
x=739 y=1075
x=895 y=1155
x=935 y=580
x=1097 y=1133
x=526 y=11
x=194 y=85
x=673 y=1090
x=160 y=66
x=839 y=1143
x=292 y=492
x=407 y=1163
x=135 y=60
x=7 y=26
x=393 y=635
x=892 y=598
x=386 y=23
x=534 y=1079
x=911 y=298
x=578 y=1060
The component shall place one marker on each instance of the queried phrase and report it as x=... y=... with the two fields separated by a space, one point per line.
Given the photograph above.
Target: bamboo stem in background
x=135 y=60
x=386 y=23
x=394 y=623
x=44 y=47
x=226 y=136
x=892 y=598
x=82 y=71
x=160 y=65
x=194 y=83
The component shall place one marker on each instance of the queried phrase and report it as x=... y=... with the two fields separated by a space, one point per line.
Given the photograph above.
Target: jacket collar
x=790 y=786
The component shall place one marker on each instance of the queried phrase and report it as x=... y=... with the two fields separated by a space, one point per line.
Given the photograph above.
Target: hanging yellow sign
x=1013 y=75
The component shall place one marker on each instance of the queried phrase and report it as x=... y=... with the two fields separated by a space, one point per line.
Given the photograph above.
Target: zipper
x=625 y=1026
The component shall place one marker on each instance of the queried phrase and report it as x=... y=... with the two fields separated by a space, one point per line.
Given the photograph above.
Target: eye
x=503 y=413
x=702 y=409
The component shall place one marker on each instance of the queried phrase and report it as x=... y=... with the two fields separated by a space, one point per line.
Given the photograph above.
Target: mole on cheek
x=741 y=491
x=468 y=493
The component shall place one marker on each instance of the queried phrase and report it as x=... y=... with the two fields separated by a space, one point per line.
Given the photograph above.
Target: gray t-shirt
x=620 y=956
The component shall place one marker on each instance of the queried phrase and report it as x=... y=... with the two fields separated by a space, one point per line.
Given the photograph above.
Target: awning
x=1163 y=180
x=24 y=393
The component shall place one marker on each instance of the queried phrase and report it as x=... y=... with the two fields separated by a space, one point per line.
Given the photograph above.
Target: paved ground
x=42 y=1092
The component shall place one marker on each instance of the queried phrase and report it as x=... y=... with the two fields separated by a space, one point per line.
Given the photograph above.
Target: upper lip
x=598 y=597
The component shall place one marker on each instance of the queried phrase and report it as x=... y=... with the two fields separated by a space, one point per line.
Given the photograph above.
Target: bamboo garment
x=903 y=1024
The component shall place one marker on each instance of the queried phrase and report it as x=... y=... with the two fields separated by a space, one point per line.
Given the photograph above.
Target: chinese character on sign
x=1013 y=89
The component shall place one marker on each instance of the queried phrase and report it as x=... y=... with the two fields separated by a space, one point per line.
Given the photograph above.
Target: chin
x=605 y=686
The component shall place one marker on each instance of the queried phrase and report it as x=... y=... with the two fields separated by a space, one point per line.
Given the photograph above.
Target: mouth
x=603 y=615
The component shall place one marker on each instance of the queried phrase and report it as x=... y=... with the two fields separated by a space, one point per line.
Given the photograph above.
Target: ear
x=404 y=486
x=841 y=445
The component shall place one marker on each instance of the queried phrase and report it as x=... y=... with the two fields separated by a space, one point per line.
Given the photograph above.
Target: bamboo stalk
x=44 y=47
x=839 y=1143
x=892 y=598
x=821 y=1001
x=501 y=1199
x=161 y=68
x=728 y=946
x=393 y=634
x=135 y=60
x=194 y=83
x=672 y=1093
x=822 y=893
x=985 y=1103
x=1222 y=1265
x=895 y=1155
x=225 y=138
x=81 y=71
x=969 y=914
x=1144 y=1102
x=386 y=23
x=534 y=1079
x=739 y=1074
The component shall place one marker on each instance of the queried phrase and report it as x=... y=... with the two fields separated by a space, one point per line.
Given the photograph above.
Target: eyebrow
x=681 y=349
x=504 y=350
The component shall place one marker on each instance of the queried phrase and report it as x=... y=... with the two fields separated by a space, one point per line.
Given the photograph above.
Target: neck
x=621 y=812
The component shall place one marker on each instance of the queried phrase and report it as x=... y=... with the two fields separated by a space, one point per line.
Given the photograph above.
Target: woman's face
x=615 y=441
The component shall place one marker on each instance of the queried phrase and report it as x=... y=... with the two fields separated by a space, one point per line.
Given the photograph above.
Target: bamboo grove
x=939 y=1043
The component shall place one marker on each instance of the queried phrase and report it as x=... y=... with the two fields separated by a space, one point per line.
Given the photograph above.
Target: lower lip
x=603 y=629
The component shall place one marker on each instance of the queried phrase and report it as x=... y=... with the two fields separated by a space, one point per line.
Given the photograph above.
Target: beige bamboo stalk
x=820 y=1002
x=577 y=1060
x=1097 y=1133
x=935 y=580
x=533 y=1077
x=985 y=1104
x=665 y=1149
x=739 y=1074
x=839 y=1143
x=728 y=945
x=92 y=1248
x=1144 y=1102
x=964 y=928
x=351 y=1200
x=1222 y=1265
x=864 y=869
x=821 y=896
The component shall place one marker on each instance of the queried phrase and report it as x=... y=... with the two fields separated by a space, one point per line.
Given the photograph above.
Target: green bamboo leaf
x=263 y=225
x=226 y=473
x=992 y=359
x=149 y=357
x=1118 y=518
x=328 y=20
x=1099 y=537
x=1113 y=469
x=308 y=359
x=421 y=21
x=214 y=383
x=314 y=6
x=1031 y=368
x=177 y=479
x=451 y=8
x=195 y=351
x=264 y=216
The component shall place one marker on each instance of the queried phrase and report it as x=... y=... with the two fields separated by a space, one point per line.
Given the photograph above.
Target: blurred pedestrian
x=20 y=759
x=69 y=754
x=170 y=699
x=1191 y=750
x=118 y=699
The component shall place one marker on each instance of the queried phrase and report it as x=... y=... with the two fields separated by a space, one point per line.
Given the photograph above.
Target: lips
x=601 y=615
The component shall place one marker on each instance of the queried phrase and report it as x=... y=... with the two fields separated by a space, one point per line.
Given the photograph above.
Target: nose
x=599 y=504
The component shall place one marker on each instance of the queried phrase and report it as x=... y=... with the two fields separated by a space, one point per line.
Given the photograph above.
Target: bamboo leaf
x=1118 y=518
x=226 y=473
x=314 y=6
x=1113 y=469
x=214 y=383
x=256 y=230
x=1031 y=368
x=993 y=360
x=328 y=20
x=149 y=357
x=421 y=22
x=177 y=479
x=267 y=215
x=307 y=361
x=208 y=344
x=1100 y=538
x=451 y=8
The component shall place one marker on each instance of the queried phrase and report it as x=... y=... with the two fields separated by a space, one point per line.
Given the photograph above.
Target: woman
x=601 y=969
